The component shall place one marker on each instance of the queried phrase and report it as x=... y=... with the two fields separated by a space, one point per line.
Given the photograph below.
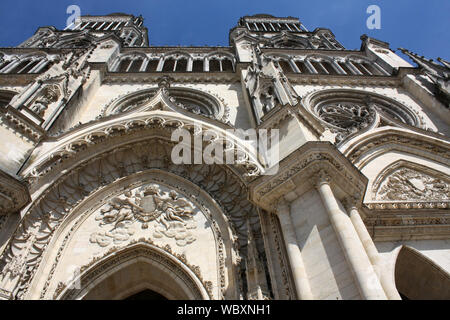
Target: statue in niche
x=39 y=108
x=268 y=99
x=267 y=85
x=261 y=88
x=49 y=95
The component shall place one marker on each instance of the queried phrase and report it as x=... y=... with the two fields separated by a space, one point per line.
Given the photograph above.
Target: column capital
x=350 y=202
x=281 y=207
x=321 y=177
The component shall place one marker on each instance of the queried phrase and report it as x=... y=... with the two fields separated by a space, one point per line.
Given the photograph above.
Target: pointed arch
x=139 y=266
x=416 y=181
x=362 y=149
x=182 y=100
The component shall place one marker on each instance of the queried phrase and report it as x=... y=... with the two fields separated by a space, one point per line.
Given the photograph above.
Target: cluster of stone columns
x=355 y=241
x=371 y=250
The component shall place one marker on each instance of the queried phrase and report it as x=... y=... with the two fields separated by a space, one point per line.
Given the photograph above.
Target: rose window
x=347 y=116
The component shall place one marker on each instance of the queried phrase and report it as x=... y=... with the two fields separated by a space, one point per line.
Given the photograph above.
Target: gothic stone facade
x=93 y=207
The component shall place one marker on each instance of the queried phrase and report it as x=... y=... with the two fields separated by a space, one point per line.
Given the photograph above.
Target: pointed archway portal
x=138 y=271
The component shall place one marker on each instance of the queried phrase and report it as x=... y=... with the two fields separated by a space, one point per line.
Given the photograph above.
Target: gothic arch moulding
x=143 y=266
x=90 y=172
x=178 y=99
x=407 y=181
x=367 y=147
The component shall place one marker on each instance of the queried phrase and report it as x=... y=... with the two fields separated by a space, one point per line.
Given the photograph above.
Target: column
x=301 y=281
x=366 y=278
x=371 y=250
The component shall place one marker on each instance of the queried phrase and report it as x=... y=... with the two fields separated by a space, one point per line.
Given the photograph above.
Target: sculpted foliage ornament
x=172 y=213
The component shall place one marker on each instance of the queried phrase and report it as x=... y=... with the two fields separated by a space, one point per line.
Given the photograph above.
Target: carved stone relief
x=169 y=214
x=48 y=95
x=48 y=213
x=408 y=184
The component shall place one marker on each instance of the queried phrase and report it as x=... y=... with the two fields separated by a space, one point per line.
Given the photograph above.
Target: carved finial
x=164 y=83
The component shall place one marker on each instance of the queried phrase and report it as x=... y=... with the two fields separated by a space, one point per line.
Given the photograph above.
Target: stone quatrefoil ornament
x=173 y=216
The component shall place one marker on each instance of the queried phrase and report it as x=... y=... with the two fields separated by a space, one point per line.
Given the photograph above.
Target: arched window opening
x=302 y=67
x=5 y=98
x=197 y=66
x=220 y=64
x=169 y=65
x=327 y=65
x=136 y=65
x=344 y=66
x=361 y=68
x=371 y=68
x=214 y=65
x=25 y=66
x=285 y=66
x=5 y=64
x=318 y=66
x=125 y=64
x=181 y=65
x=152 y=65
x=227 y=65
x=45 y=67
x=283 y=26
x=30 y=66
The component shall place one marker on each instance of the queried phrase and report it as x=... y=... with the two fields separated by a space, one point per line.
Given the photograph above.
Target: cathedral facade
x=102 y=195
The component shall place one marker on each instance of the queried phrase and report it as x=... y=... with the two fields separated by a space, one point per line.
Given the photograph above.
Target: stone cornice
x=402 y=224
x=8 y=79
x=127 y=128
x=346 y=80
x=401 y=205
x=181 y=77
x=21 y=124
x=430 y=145
x=297 y=170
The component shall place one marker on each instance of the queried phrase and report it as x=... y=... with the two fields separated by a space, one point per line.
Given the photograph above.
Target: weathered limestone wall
x=15 y=149
x=328 y=272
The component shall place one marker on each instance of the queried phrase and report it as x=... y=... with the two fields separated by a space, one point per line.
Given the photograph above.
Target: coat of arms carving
x=173 y=216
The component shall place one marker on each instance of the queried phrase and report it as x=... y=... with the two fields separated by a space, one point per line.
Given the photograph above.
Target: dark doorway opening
x=146 y=295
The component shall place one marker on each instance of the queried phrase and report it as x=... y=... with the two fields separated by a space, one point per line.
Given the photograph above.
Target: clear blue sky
x=421 y=26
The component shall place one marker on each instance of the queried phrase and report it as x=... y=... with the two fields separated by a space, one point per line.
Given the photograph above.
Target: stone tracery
x=348 y=112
